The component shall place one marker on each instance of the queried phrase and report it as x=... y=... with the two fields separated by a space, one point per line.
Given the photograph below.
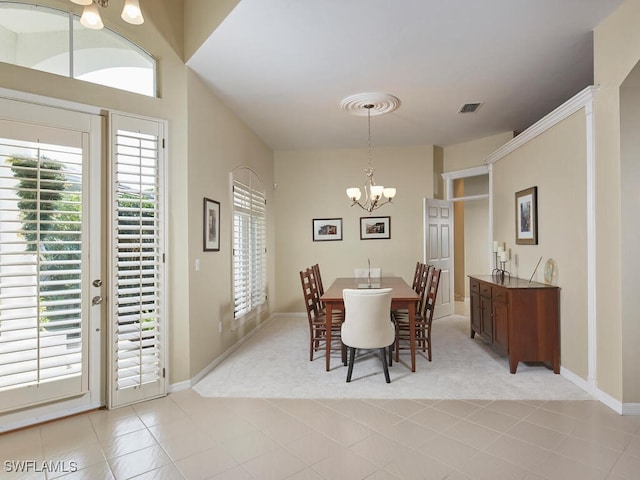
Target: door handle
x=97 y=282
x=97 y=300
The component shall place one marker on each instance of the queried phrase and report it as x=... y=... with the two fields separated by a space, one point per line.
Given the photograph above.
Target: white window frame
x=249 y=244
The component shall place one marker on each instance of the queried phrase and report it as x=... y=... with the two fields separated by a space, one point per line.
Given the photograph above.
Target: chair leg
x=391 y=354
x=383 y=354
x=397 y=343
x=344 y=353
x=352 y=354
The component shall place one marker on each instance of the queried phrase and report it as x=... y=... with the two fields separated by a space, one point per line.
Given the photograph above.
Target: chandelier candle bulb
x=131 y=12
x=91 y=17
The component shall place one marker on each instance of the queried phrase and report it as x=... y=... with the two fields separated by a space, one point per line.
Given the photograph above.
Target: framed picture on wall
x=327 y=229
x=375 y=228
x=527 y=216
x=211 y=225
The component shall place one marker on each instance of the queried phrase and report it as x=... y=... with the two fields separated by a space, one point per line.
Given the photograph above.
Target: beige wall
x=311 y=184
x=473 y=154
x=473 y=245
x=616 y=53
x=218 y=143
x=555 y=162
x=630 y=170
x=203 y=17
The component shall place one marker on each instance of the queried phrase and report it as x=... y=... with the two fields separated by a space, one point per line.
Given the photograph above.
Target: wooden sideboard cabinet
x=518 y=317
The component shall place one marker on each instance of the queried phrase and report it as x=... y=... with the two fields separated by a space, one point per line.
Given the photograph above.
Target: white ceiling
x=283 y=66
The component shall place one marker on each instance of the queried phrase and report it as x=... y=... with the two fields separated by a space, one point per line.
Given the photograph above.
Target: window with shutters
x=249 y=242
x=138 y=314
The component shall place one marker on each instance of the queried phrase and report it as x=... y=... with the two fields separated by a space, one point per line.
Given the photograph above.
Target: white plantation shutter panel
x=42 y=324
x=138 y=313
x=249 y=244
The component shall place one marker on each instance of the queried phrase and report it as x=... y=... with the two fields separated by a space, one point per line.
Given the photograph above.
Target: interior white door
x=438 y=250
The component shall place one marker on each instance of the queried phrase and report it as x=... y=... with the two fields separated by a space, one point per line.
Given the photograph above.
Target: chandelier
x=131 y=13
x=375 y=196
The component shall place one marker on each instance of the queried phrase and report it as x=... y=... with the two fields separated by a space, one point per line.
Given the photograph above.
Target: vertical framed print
x=211 y=225
x=527 y=216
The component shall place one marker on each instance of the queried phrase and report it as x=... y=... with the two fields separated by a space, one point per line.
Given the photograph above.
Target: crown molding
x=582 y=99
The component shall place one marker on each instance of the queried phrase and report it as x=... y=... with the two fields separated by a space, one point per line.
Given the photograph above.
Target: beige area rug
x=274 y=363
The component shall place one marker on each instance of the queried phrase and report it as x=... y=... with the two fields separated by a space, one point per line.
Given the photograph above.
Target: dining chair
x=317 y=279
x=367 y=324
x=317 y=319
x=416 y=275
x=423 y=319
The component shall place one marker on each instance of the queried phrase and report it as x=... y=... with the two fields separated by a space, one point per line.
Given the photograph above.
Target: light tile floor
x=188 y=436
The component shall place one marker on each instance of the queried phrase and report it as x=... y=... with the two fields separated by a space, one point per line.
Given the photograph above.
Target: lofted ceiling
x=283 y=66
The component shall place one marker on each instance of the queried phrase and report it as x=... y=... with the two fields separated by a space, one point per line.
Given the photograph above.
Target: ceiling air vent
x=470 y=107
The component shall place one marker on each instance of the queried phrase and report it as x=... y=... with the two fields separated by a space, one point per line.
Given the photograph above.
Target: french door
x=67 y=289
x=49 y=329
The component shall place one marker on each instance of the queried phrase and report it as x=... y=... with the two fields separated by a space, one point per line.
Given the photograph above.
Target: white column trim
x=592 y=338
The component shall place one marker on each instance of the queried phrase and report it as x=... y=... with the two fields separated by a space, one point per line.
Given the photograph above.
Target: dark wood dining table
x=402 y=297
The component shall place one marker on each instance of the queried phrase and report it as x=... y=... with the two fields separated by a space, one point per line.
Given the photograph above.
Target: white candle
x=503 y=256
x=495 y=246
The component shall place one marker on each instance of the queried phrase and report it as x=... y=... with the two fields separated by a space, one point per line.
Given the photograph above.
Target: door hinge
x=163 y=258
x=163 y=373
x=163 y=145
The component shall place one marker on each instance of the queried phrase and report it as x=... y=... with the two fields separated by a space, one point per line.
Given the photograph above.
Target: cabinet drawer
x=485 y=290
x=475 y=286
x=499 y=295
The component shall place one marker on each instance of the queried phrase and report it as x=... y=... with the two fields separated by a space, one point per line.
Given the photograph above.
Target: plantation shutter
x=249 y=243
x=138 y=313
x=43 y=313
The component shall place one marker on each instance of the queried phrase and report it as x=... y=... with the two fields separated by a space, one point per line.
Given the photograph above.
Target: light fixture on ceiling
x=369 y=104
x=131 y=13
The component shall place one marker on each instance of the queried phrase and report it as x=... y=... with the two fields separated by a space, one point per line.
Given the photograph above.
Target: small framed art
x=375 y=228
x=327 y=229
x=527 y=216
x=211 y=225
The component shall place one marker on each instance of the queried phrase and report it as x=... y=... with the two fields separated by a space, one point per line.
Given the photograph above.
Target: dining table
x=402 y=297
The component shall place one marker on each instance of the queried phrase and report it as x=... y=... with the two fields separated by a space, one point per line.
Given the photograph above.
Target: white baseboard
x=175 y=387
x=577 y=380
x=614 y=404
x=608 y=400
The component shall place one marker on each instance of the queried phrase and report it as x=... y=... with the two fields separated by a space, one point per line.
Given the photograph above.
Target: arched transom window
x=54 y=41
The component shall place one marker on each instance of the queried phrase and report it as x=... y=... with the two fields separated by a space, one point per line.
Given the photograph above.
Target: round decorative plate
x=549 y=270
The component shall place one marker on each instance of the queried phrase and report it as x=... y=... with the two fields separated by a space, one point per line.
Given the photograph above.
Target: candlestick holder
x=501 y=272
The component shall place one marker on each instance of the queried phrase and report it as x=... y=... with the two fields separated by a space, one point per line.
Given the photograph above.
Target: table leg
x=412 y=334
x=328 y=335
